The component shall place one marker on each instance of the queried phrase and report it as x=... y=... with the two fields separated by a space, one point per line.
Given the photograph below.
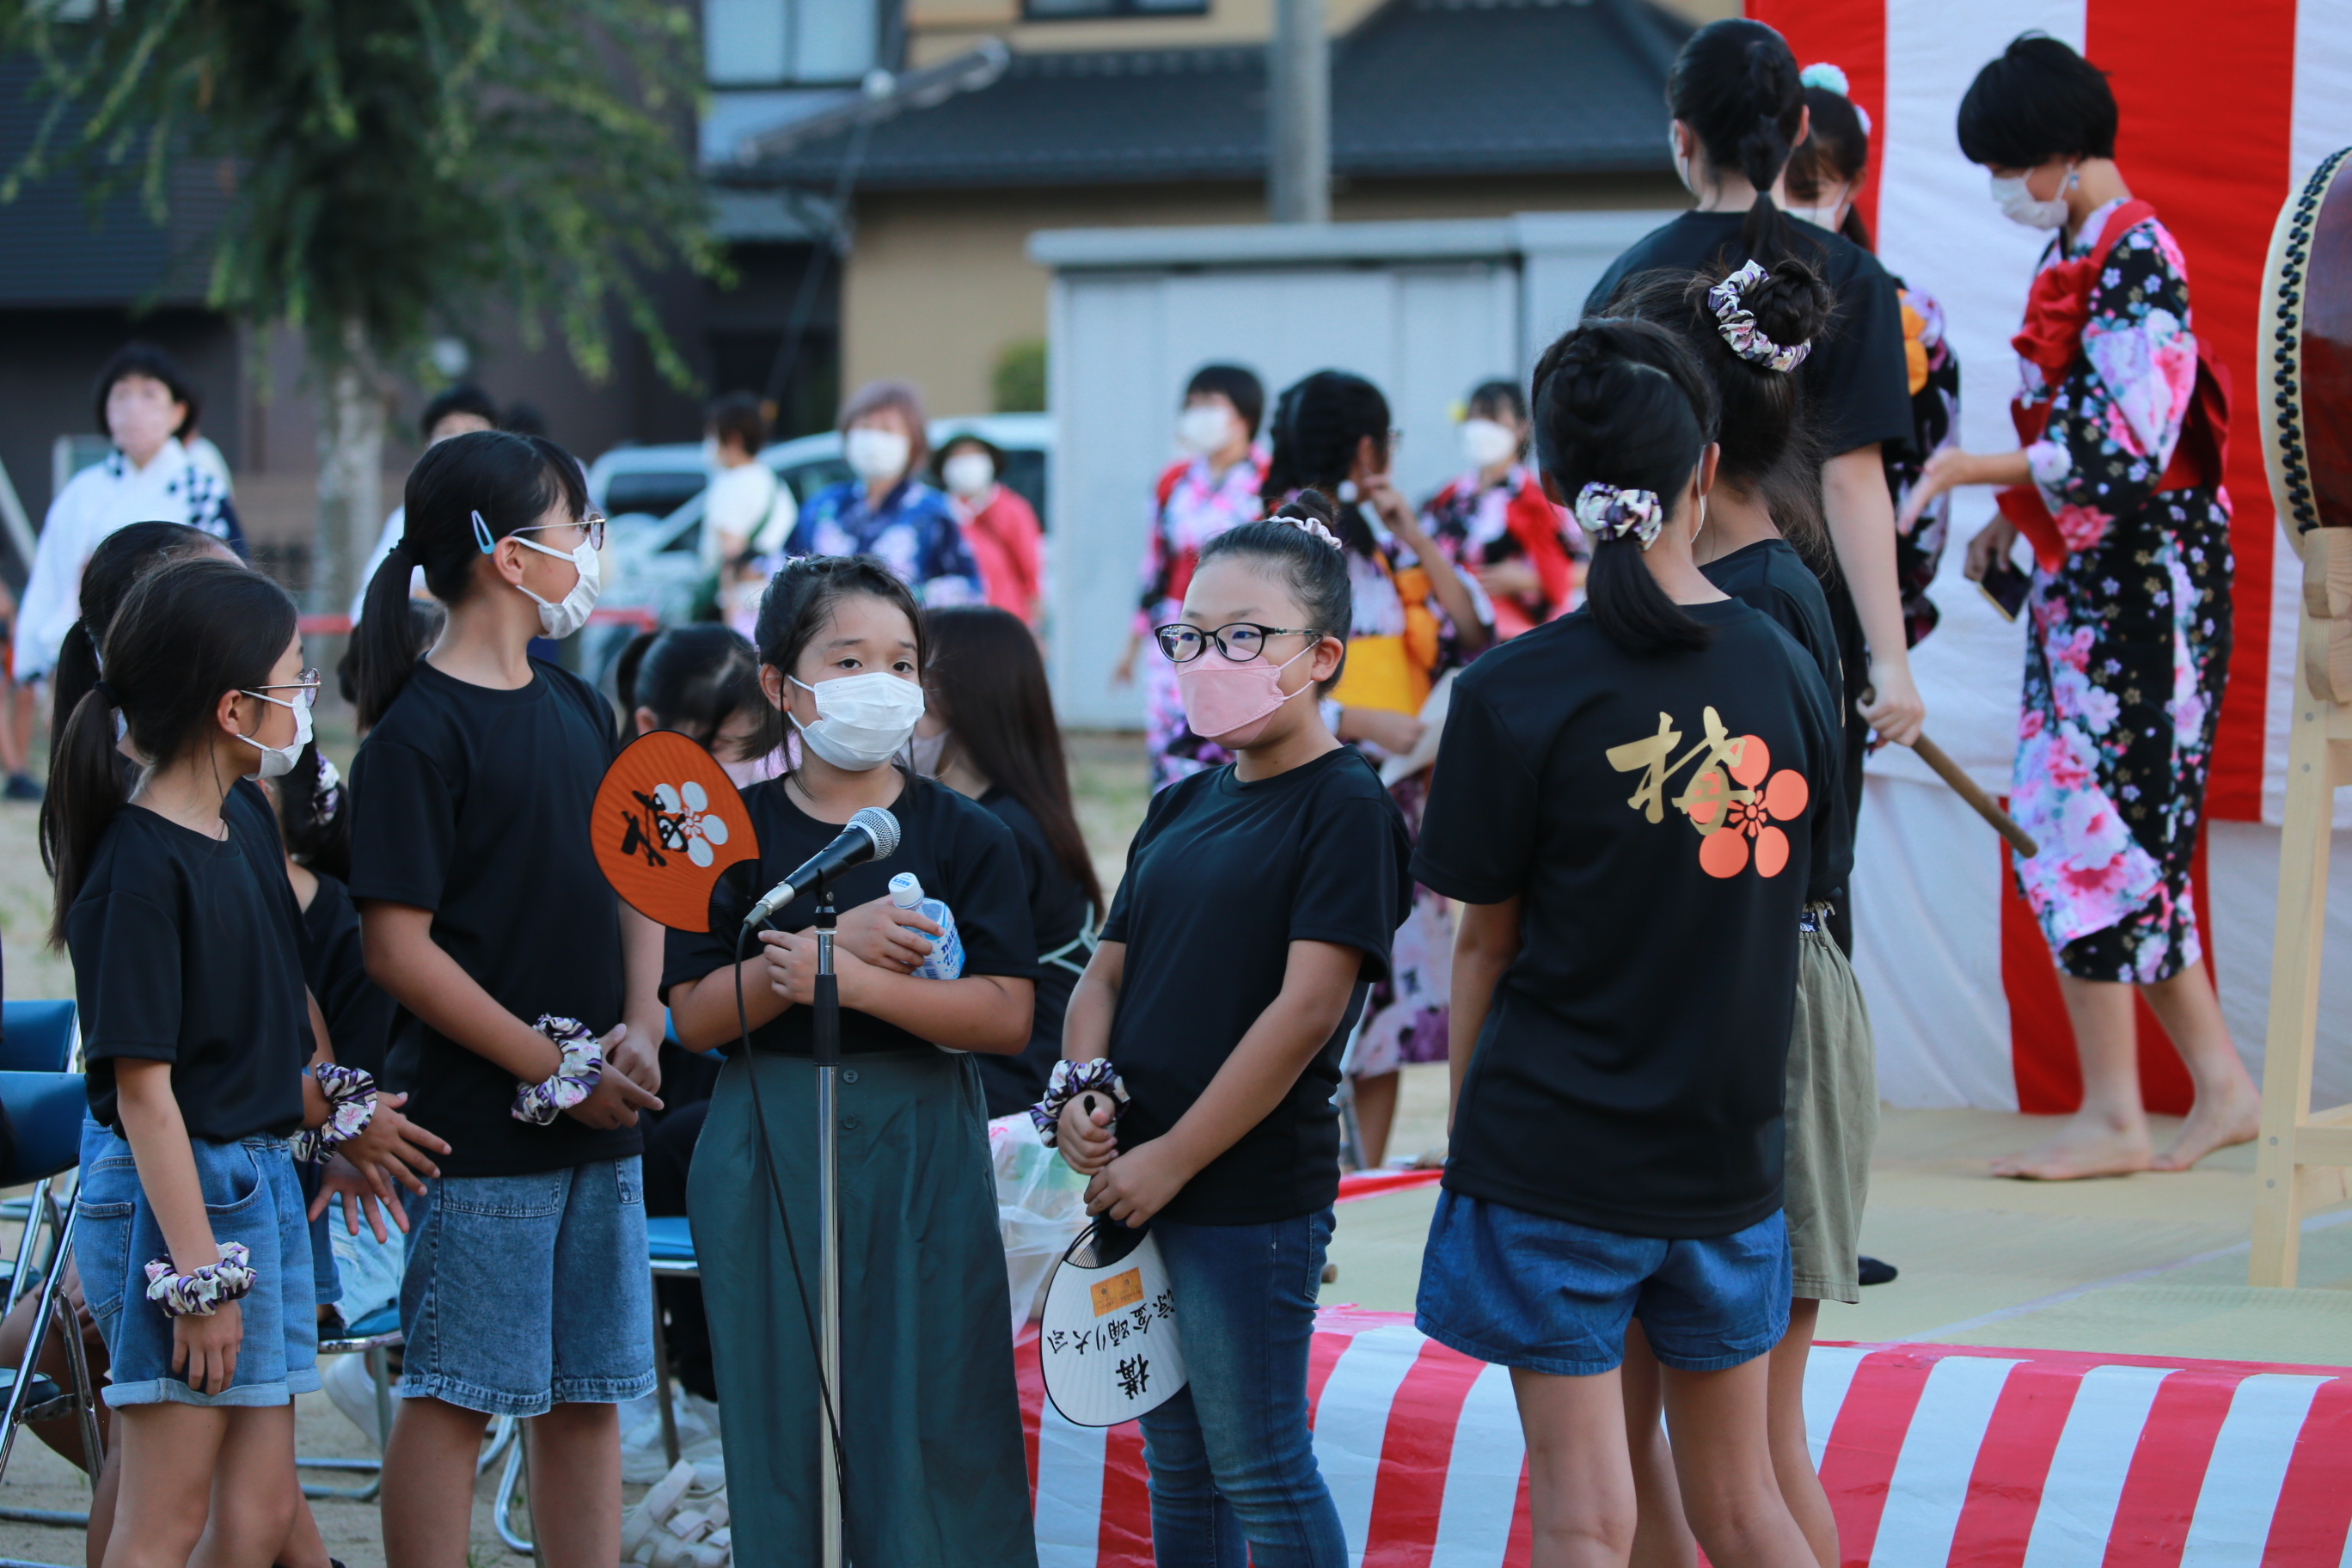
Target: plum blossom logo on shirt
x=1733 y=798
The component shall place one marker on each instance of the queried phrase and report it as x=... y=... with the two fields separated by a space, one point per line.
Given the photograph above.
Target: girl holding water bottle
x=929 y=1417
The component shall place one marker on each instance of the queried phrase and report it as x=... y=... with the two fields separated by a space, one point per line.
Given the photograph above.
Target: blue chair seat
x=384 y=1322
x=44 y=1110
x=35 y=1037
x=668 y=1239
x=42 y=1390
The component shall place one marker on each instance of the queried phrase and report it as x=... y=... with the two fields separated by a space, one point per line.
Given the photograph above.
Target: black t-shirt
x=1857 y=381
x=957 y=849
x=1770 y=576
x=1058 y=914
x=474 y=804
x=1628 y=1076
x=188 y=950
x=1222 y=877
x=358 y=1011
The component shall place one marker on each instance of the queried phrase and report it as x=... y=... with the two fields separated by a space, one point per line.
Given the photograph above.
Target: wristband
x=1070 y=1081
x=575 y=1081
x=199 y=1295
x=350 y=1106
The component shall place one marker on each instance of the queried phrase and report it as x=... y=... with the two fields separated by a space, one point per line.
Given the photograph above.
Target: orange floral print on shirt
x=1732 y=799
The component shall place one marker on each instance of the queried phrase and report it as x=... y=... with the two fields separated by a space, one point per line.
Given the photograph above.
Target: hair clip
x=1606 y=512
x=1832 y=78
x=1311 y=528
x=482 y=535
x=1737 y=323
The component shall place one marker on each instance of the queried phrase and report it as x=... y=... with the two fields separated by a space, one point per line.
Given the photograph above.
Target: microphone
x=872 y=834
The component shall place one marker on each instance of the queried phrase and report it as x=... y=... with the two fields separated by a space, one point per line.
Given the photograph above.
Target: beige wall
x=940 y=283
x=939 y=28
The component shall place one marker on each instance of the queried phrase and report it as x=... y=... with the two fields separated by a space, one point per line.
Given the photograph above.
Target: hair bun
x=1309 y=505
x=1791 y=302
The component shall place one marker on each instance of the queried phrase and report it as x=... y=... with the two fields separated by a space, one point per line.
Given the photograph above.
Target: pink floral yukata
x=2130 y=634
x=1196 y=505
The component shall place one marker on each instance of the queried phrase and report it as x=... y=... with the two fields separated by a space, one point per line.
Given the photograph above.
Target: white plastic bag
x=1040 y=1208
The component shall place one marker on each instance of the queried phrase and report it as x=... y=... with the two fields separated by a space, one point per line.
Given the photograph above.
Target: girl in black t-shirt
x=1258 y=906
x=929 y=1413
x=988 y=732
x=189 y=1234
x=1629 y=801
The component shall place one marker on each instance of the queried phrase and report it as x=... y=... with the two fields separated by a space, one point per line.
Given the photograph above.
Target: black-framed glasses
x=592 y=520
x=306 y=683
x=1239 y=641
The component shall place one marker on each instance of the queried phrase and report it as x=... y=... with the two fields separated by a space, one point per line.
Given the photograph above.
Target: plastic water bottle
x=945 y=962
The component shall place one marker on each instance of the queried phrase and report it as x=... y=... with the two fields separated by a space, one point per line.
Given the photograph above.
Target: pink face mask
x=1229 y=703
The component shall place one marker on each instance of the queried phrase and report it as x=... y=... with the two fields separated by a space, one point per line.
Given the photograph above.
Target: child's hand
x=363 y=1192
x=614 y=1102
x=206 y=1348
x=791 y=958
x=393 y=1146
x=1084 y=1134
x=635 y=1052
x=886 y=936
x=1137 y=1185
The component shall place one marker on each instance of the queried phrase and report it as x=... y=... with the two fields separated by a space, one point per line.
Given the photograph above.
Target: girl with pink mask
x=1257 y=910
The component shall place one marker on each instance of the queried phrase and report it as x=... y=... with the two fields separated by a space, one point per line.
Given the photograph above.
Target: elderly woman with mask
x=887 y=511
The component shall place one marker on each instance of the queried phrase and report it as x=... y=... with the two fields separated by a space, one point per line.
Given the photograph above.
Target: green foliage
x=398 y=166
x=1018 y=382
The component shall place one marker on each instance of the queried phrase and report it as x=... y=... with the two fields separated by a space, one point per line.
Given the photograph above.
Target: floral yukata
x=2130 y=631
x=1478 y=524
x=912 y=531
x=1196 y=505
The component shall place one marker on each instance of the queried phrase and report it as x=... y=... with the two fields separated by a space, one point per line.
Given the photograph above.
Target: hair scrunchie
x=200 y=1294
x=1737 y=323
x=350 y=1106
x=106 y=693
x=581 y=1070
x=1606 y=512
x=1070 y=1081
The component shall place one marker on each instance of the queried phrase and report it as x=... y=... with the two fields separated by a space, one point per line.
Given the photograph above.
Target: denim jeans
x=1234 y=1481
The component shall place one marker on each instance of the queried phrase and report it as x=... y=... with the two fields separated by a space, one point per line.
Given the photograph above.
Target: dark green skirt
x=930 y=1415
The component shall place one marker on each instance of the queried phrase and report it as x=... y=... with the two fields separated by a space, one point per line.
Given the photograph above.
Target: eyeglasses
x=591 y=521
x=306 y=683
x=1240 y=641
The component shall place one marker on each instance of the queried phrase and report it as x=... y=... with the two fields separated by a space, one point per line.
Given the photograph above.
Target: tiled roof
x=1422 y=87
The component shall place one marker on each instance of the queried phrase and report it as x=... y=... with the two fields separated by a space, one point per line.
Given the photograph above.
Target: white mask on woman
x=875 y=456
x=1204 y=429
x=1486 y=442
x=2019 y=204
x=968 y=474
x=862 y=721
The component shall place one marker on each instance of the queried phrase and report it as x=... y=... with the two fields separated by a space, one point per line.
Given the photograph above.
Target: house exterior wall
x=939 y=283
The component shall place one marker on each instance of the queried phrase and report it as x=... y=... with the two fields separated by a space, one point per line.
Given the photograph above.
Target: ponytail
x=1734 y=84
x=185 y=635
x=1623 y=403
x=498 y=478
x=1320 y=425
x=121 y=558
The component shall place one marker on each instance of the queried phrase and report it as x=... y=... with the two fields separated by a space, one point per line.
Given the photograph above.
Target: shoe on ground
x=643 y=1457
x=20 y=786
x=1876 y=1271
x=353 y=1391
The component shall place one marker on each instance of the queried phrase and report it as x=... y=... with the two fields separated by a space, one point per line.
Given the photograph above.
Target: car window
x=659 y=491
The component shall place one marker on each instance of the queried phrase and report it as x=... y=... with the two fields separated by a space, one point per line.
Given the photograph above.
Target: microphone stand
x=824 y=1030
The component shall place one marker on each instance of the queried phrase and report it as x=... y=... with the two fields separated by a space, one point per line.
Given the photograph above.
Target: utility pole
x=1299 y=115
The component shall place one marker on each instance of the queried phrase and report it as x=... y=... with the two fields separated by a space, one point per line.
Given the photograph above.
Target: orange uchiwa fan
x=667 y=829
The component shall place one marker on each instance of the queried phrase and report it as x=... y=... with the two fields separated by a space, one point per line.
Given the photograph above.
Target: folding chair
x=46 y=1108
x=374 y=1336
x=669 y=1246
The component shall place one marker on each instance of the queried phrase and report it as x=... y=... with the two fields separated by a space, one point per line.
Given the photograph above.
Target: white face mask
x=2019 y=204
x=875 y=456
x=1204 y=429
x=862 y=721
x=562 y=617
x=1486 y=443
x=276 y=762
x=968 y=474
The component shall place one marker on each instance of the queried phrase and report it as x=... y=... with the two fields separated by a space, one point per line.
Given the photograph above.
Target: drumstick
x=1966 y=788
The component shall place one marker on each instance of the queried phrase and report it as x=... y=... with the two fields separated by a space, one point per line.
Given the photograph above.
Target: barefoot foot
x=2085 y=1146
x=2217 y=1120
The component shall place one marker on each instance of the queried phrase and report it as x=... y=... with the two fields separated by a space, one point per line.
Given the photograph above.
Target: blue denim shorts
x=251 y=1196
x=526 y=1292
x=1524 y=1290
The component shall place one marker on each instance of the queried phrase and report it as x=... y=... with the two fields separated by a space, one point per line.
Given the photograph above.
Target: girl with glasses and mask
x=929 y=1417
x=1257 y=912
x=529 y=1015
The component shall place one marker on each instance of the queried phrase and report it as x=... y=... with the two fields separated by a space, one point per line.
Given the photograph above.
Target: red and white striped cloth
x=1932 y=1455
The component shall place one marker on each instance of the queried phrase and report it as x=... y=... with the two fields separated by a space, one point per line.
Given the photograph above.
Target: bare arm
x=1861 y=528
x=1485 y=943
x=204 y=1347
x=639 y=1051
x=988 y=1013
x=1317 y=983
x=1444 y=581
x=403 y=958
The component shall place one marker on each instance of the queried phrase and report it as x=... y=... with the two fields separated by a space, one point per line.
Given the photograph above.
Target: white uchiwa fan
x=1107 y=1342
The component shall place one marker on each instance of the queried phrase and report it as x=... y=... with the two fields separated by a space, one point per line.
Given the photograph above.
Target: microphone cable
x=792 y=1253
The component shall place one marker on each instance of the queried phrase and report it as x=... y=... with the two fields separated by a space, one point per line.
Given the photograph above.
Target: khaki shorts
x=1831 y=1110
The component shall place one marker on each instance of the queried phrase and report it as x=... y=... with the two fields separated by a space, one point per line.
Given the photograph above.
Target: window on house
x=765 y=43
x=1058 y=10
